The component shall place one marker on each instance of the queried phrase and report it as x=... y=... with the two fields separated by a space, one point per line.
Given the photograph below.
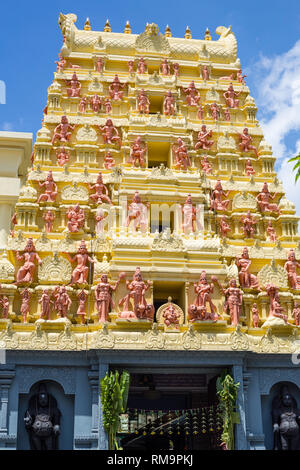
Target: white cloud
x=7 y=126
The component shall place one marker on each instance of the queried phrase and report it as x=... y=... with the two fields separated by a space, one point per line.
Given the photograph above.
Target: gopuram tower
x=152 y=218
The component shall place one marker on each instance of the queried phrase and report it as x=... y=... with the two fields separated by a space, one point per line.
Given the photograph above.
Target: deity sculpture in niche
x=82 y=297
x=230 y=97
x=74 y=86
x=216 y=202
x=286 y=421
x=80 y=273
x=205 y=72
x=215 y=111
x=200 y=113
x=227 y=114
x=100 y=217
x=264 y=198
x=249 y=224
x=198 y=310
x=110 y=133
x=165 y=68
x=182 y=159
x=246 y=279
x=203 y=141
x=49 y=217
x=107 y=106
x=50 y=193
x=143 y=102
x=63 y=156
x=193 y=97
x=109 y=161
x=25 y=304
x=170 y=315
x=141 y=66
x=83 y=104
x=206 y=166
x=233 y=300
x=137 y=289
x=115 y=89
x=137 y=213
x=245 y=142
x=46 y=304
x=255 y=316
x=101 y=194
x=176 y=69
x=169 y=104
x=63 y=131
x=42 y=420
x=275 y=307
x=96 y=103
x=76 y=218
x=190 y=217
x=224 y=227
x=103 y=296
x=296 y=313
x=99 y=65
x=291 y=268
x=62 y=301
x=249 y=170
x=271 y=232
x=4 y=302
x=137 y=153
x=26 y=272
x=131 y=66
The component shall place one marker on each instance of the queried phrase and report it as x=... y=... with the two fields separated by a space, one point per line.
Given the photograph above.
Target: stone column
x=240 y=429
x=93 y=375
x=6 y=378
x=5 y=218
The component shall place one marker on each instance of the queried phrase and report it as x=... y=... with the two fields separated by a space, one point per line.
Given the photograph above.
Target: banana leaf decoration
x=227 y=393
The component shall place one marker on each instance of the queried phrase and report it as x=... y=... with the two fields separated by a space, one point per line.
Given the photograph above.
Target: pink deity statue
x=99 y=65
x=103 y=297
x=230 y=97
x=81 y=310
x=115 y=89
x=143 y=102
x=74 y=86
x=80 y=273
x=49 y=217
x=109 y=161
x=203 y=141
x=4 y=302
x=182 y=159
x=25 y=304
x=275 y=307
x=131 y=66
x=176 y=69
x=249 y=170
x=198 y=310
x=137 y=289
x=142 y=66
x=205 y=165
x=296 y=313
x=63 y=131
x=200 y=113
x=227 y=114
x=100 y=217
x=107 y=106
x=171 y=316
x=192 y=95
x=61 y=63
x=50 y=193
x=165 y=68
x=96 y=103
x=137 y=153
x=205 y=72
x=291 y=268
x=101 y=194
x=255 y=316
x=245 y=142
x=46 y=304
x=240 y=77
x=169 y=104
x=264 y=198
x=110 y=133
x=234 y=302
x=224 y=227
x=76 y=218
x=246 y=279
x=190 y=217
x=14 y=221
x=137 y=214
x=215 y=111
x=271 y=232
x=26 y=272
x=83 y=104
x=216 y=202
x=62 y=301
x=63 y=156
x=248 y=225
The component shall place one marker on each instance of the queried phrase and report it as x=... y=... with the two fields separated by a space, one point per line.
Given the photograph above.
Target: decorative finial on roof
x=87 y=25
x=107 y=27
x=188 y=34
x=127 y=29
x=207 y=35
x=168 y=33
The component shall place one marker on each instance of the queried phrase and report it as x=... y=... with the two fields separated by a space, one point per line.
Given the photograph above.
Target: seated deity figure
x=190 y=217
x=198 y=309
x=62 y=301
x=248 y=225
x=115 y=89
x=109 y=161
x=76 y=219
x=80 y=273
x=137 y=153
x=50 y=193
x=165 y=68
x=101 y=194
x=171 y=316
x=240 y=77
x=110 y=133
x=275 y=307
x=230 y=97
x=183 y=160
x=203 y=141
x=264 y=198
x=246 y=279
x=26 y=272
x=63 y=131
x=143 y=102
x=137 y=214
x=245 y=142
x=103 y=296
x=137 y=289
x=286 y=421
x=169 y=104
x=224 y=227
x=271 y=232
x=249 y=170
x=216 y=202
x=61 y=64
x=96 y=103
x=74 y=86
x=63 y=156
x=291 y=268
x=193 y=97
x=206 y=166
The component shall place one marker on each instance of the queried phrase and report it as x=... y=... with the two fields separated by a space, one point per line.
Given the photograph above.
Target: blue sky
x=268 y=34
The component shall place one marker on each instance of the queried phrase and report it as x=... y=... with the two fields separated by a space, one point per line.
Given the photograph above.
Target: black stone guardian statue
x=286 y=421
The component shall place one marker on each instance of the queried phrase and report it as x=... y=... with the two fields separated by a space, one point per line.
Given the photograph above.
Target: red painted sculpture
x=50 y=193
x=227 y=114
x=171 y=316
x=263 y=199
x=205 y=72
x=246 y=279
x=165 y=68
x=176 y=69
x=296 y=313
x=137 y=213
x=291 y=268
x=216 y=202
x=99 y=65
x=80 y=273
x=206 y=166
x=107 y=105
x=234 y=302
x=49 y=218
x=110 y=133
x=169 y=104
x=245 y=143
x=224 y=227
x=25 y=304
x=74 y=86
x=81 y=311
x=103 y=296
x=142 y=66
x=200 y=113
x=137 y=153
x=192 y=96
x=62 y=301
x=190 y=220
x=203 y=141
x=248 y=225
x=198 y=310
x=255 y=316
x=4 y=302
x=215 y=111
x=109 y=161
x=96 y=103
x=61 y=64
x=101 y=194
x=46 y=304
x=115 y=89
x=249 y=170
x=230 y=97
x=63 y=131
x=143 y=102
x=26 y=272
x=83 y=104
x=76 y=219
x=100 y=220
x=275 y=307
x=271 y=232
x=240 y=77
x=181 y=155
x=137 y=289
x=131 y=66
x=62 y=156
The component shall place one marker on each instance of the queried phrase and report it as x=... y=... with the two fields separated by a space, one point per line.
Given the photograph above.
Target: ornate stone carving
x=86 y=134
x=101 y=268
x=273 y=274
x=226 y=143
x=239 y=341
x=103 y=339
x=152 y=41
x=244 y=201
x=7 y=270
x=154 y=339
x=165 y=241
x=55 y=270
x=191 y=339
x=170 y=315
x=75 y=193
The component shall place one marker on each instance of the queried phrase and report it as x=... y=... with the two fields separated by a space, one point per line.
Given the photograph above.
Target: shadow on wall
x=65 y=404
x=266 y=404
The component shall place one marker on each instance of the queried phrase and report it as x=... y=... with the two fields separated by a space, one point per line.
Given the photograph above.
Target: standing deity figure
x=101 y=194
x=296 y=313
x=192 y=95
x=230 y=97
x=25 y=304
x=83 y=104
x=249 y=170
x=49 y=218
x=240 y=77
x=255 y=316
x=107 y=106
x=14 y=221
x=169 y=104
x=176 y=69
x=80 y=273
x=137 y=153
x=224 y=227
x=203 y=141
x=109 y=161
x=215 y=111
x=183 y=160
x=4 y=302
x=82 y=297
x=234 y=302
x=143 y=102
x=46 y=304
x=110 y=133
x=190 y=217
x=100 y=217
x=115 y=89
x=63 y=131
x=74 y=86
x=275 y=307
x=206 y=166
x=62 y=301
x=165 y=68
x=286 y=421
x=131 y=66
x=245 y=142
x=248 y=225
x=171 y=316
x=198 y=310
x=137 y=289
x=271 y=232
x=50 y=193
x=216 y=202
x=99 y=65
x=96 y=103
x=291 y=268
x=76 y=218
x=200 y=113
x=263 y=199
x=227 y=114
x=141 y=66
x=246 y=279
x=61 y=64
x=205 y=72
x=137 y=214
x=103 y=297
x=62 y=156
x=26 y=272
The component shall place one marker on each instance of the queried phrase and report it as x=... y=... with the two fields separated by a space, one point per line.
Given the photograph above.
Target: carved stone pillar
x=240 y=431
x=93 y=376
x=6 y=378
